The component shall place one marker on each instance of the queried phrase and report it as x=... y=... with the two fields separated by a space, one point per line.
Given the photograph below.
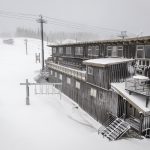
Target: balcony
x=139 y=85
x=69 y=71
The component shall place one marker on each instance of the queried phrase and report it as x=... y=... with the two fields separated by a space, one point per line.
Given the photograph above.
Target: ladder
x=116 y=129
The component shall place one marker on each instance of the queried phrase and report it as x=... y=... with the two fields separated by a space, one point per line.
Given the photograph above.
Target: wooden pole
x=26 y=43
x=27 y=92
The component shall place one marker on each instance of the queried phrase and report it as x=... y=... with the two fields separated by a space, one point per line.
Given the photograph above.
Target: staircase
x=116 y=129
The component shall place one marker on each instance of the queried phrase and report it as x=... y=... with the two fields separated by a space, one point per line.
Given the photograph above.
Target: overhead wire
x=59 y=22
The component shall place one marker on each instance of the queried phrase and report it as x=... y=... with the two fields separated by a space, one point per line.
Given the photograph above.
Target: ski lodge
x=109 y=79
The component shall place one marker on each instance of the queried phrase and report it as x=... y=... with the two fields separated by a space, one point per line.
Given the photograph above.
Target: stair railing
x=106 y=123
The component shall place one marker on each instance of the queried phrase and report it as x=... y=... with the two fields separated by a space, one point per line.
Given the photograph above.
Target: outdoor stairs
x=116 y=129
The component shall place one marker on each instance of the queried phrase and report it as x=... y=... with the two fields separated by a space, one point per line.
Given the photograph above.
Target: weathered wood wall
x=98 y=107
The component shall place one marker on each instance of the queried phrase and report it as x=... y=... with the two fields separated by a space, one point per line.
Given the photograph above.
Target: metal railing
x=137 y=86
x=107 y=123
x=72 y=72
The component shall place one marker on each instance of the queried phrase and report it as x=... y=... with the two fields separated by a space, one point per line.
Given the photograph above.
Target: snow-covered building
x=99 y=77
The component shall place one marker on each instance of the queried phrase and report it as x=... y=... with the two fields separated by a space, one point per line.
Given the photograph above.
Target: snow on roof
x=104 y=41
x=106 y=61
x=136 y=100
x=140 y=77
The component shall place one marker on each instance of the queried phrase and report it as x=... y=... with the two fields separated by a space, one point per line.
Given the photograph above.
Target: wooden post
x=141 y=122
x=27 y=92
x=147 y=100
x=125 y=109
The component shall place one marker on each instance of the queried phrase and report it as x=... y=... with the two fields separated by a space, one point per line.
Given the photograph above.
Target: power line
x=59 y=22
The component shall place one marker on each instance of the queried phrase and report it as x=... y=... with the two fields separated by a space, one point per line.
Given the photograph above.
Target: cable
x=59 y=22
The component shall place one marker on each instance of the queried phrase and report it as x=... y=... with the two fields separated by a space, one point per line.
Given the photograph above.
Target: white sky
x=130 y=15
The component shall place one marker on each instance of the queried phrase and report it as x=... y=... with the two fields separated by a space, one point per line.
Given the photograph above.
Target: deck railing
x=72 y=72
x=136 y=86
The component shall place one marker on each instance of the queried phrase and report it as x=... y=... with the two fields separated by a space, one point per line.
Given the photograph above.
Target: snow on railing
x=72 y=72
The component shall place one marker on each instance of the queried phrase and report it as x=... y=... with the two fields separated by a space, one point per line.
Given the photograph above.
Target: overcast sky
x=130 y=15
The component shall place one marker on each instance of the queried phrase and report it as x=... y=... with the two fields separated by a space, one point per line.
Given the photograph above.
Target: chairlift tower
x=123 y=34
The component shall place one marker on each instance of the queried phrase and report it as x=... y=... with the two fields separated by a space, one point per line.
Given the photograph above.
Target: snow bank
x=48 y=123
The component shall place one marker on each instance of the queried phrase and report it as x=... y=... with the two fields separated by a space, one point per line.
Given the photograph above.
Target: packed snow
x=137 y=100
x=106 y=61
x=48 y=123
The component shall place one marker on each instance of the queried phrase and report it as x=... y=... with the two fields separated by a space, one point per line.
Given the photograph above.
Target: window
x=60 y=59
x=68 y=50
x=89 y=50
x=140 y=51
x=60 y=76
x=120 y=51
x=51 y=72
x=147 y=51
x=90 y=70
x=96 y=50
x=68 y=81
x=55 y=74
x=54 y=50
x=93 y=92
x=77 y=85
x=79 y=51
x=109 y=51
x=147 y=63
x=60 y=50
x=114 y=51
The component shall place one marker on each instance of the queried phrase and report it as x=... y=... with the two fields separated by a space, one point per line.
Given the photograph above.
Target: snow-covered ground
x=48 y=123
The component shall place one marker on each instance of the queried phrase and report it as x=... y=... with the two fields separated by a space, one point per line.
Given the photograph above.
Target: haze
x=129 y=15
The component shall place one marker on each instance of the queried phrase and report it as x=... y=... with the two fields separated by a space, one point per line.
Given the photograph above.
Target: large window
x=68 y=80
x=93 y=92
x=55 y=74
x=79 y=51
x=93 y=50
x=147 y=51
x=96 y=50
x=60 y=50
x=54 y=50
x=109 y=51
x=140 y=51
x=60 y=76
x=120 y=51
x=77 y=85
x=115 y=51
x=90 y=70
x=68 y=50
x=89 y=50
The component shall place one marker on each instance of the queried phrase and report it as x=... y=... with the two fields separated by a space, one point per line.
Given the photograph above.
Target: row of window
x=115 y=51
x=112 y=51
x=93 y=91
x=93 y=50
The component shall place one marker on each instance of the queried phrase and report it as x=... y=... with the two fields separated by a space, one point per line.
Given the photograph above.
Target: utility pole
x=41 y=21
x=26 y=44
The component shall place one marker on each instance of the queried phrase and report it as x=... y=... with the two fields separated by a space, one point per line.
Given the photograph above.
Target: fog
x=129 y=15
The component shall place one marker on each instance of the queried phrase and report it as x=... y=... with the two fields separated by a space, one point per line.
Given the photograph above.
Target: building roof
x=102 y=62
x=138 y=101
x=144 y=38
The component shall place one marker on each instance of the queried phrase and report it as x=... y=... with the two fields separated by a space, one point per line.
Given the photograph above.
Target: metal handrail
x=106 y=123
x=75 y=73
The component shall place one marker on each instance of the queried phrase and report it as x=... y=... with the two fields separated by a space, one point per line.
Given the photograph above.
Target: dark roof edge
x=103 y=41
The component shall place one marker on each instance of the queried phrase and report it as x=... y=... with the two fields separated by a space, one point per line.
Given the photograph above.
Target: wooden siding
x=98 y=107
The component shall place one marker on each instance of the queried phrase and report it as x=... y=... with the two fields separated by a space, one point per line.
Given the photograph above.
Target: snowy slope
x=48 y=123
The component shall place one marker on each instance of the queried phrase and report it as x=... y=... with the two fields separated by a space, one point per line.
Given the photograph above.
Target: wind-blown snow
x=48 y=123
